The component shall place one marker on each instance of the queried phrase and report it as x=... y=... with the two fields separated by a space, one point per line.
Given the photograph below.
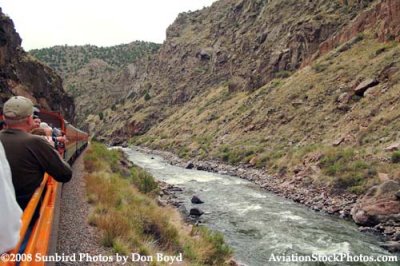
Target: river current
x=260 y=226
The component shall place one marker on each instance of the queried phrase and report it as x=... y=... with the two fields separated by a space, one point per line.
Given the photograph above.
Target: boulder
x=196 y=212
x=344 y=98
x=338 y=141
x=396 y=236
x=253 y=161
x=397 y=195
x=205 y=54
x=196 y=200
x=393 y=147
x=392 y=246
x=366 y=229
x=383 y=177
x=364 y=86
x=343 y=107
x=250 y=127
x=297 y=103
x=176 y=189
x=378 y=205
x=189 y=165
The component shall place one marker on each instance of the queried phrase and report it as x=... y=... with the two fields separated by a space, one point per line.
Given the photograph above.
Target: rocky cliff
x=239 y=44
x=21 y=74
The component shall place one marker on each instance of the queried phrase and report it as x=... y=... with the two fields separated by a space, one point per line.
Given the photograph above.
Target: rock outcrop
x=382 y=18
x=379 y=211
x=21 y=74
x=379 y=205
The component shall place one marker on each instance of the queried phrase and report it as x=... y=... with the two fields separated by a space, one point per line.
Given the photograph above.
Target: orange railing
x=39 y=239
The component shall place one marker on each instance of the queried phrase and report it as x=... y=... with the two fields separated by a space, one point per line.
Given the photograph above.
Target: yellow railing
x=39 y=238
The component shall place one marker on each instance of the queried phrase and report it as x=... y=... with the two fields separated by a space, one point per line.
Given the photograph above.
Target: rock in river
x=196 y=200
x=196 y=212
x=189 y=165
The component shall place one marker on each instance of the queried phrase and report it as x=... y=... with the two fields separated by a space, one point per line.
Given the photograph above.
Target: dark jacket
x=30 y=157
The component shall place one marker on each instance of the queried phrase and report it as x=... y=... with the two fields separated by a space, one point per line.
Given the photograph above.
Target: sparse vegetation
x=395 y=157
x=283 y=74
x=285 y=135
x=147 y=96
x=319 y=67
x=131 y=221
x=68 y=58
x=346 y=171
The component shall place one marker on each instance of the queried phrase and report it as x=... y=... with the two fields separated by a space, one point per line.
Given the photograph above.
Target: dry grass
x=131 y=221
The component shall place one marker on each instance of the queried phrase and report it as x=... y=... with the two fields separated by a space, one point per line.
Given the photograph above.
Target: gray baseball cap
x=17 y=107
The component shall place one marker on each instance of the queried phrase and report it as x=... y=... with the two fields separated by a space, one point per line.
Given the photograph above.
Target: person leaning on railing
x=10 y=221
x=29 y=156
x=49 y=133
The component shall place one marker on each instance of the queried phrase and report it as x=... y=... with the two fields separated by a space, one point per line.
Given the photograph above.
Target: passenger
x=59 y=140
x=29 y=156
x=36 y=121
x=10 y=223
x=39 y=132
x=49 y=133
x=36 y=118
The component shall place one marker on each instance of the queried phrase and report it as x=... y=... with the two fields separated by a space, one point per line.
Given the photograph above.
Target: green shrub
x=184 y=152
x=346 y=171
x=143 y=180
x=147 y=96
x=319 y=67
x=283 y=74
x=235 y=155
x=395 y=157
x=220 y=248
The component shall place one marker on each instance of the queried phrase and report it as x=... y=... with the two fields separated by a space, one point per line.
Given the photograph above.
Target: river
x=259 y=225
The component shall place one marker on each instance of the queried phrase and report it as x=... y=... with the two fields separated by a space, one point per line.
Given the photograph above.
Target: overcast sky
x=45 y=23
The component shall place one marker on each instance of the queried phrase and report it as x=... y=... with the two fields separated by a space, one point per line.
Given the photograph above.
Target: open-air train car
x=43 y=238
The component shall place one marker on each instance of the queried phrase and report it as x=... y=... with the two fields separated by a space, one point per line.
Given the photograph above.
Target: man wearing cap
x=29 y=156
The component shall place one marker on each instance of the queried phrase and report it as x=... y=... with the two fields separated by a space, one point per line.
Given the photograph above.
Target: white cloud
x=45 y=23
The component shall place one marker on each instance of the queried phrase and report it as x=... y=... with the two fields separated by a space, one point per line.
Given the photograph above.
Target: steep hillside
x=239 y=44
x=313 y=101
x=327 y=123
x=102 y=73
x=21 y=74
x=306 y=91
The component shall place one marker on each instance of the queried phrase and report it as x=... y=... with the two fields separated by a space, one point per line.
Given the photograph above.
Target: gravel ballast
x=75 y=235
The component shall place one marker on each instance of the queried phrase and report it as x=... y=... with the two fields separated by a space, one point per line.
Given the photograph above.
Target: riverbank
x=318 y=198
x=130 y=220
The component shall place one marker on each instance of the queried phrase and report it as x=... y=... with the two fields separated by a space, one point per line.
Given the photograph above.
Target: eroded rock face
x=383 y=18
x=379 y=205
x=20 y=74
